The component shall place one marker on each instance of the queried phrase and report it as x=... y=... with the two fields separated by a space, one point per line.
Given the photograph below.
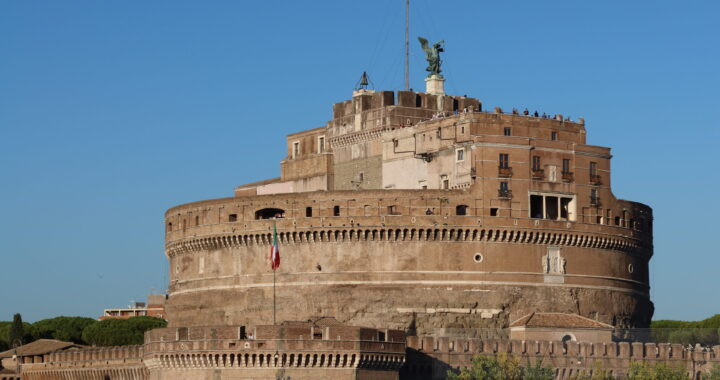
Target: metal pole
x=273 y=297
x=407 y=45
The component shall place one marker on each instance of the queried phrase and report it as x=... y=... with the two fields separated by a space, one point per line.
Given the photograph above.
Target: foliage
x=501 y=367
x=17 y=331
x=120 y=332
x=660 y=371
x=5 y=333
x=705 y=332
x=714 y=373
x=598 y=373
x=68 y=329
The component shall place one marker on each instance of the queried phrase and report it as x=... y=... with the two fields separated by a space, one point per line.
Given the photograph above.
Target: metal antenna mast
x=407 y=45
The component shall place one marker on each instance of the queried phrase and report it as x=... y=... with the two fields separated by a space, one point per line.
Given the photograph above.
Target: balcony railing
x=505 y=172
x=505 y=194
x=568 y=176
x=595 y=201
x=595 y=179
x=538 y=174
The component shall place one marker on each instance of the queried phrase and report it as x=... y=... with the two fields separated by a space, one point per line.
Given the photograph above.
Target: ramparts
x=431 y=358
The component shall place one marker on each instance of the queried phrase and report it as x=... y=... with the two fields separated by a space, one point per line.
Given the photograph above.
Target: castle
x=443 y=229
x=423 y=210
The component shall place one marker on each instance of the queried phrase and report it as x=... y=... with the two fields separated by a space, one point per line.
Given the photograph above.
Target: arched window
x=270 y=213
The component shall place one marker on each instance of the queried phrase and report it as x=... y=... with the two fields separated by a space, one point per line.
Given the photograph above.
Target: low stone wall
x=125 y=363
x=431 y=358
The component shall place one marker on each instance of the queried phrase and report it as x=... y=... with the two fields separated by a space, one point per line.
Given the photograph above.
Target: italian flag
x=274 y=251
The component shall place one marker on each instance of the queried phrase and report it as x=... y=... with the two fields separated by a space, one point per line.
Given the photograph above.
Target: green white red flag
x=275 y=251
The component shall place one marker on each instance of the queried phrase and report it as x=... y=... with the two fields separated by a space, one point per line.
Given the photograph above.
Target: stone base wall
x=429 y=358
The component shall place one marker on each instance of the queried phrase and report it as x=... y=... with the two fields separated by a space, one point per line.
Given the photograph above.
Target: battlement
x=408 y=99
x=569 y=358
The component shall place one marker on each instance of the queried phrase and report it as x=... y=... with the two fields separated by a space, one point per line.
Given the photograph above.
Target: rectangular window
x=321 y=144
x=593 y=169
x=536 y=163
x=553 y=136
x=507 y=131
x=446 y=184
x=493 y=211
x=336 y=210
x=393 y=210
x=551 y=207
x=308 y=212
x=504 y=160
x=536 y=206
x=504 y=187
x=232 y=218
x=460 y=154
x=296 y=149
x=566 y=165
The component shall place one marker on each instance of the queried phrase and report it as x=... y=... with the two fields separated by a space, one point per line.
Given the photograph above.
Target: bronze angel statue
x=432 y=55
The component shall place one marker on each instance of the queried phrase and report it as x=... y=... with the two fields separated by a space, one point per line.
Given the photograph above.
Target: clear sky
x=113 y=111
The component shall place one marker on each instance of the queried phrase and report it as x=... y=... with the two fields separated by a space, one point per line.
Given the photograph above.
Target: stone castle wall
x=369 y=267
x=124 y=362
x=430 y=358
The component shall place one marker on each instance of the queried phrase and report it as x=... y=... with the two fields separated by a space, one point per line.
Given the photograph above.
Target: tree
x=660 y=371
x=67 y=329
x=598 y=373
x=502 y=367
x=17 y=331
x=714 y=373
x=120 y=332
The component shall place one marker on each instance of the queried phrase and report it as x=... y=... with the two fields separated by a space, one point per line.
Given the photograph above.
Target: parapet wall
x=125 y=362
x=431 y=357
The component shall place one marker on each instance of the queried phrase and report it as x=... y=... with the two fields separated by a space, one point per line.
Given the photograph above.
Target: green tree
x=17 y=331
x=5 y=333
x=660 y=371
x=67 y=329
x=598 y=373
x=120 y=332
x=502 y=367
x=714 y=373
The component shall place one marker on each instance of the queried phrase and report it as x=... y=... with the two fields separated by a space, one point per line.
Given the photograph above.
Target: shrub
x=501 y=367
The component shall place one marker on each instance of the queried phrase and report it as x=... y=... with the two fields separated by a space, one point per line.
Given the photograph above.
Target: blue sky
x=112 y=112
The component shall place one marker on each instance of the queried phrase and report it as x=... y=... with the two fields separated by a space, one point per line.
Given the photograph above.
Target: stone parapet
x=431 y=357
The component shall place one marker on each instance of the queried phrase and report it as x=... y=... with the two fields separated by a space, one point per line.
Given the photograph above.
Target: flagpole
x=273 y=297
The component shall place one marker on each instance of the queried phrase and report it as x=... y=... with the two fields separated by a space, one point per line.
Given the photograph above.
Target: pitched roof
x=39 y=347
x=561 y=320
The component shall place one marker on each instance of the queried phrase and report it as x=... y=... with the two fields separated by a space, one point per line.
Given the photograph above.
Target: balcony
x=505 y=194
x=505 y=172
x=538 y=174
x=568 y=176
x=595 y=201
x=595 y=179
